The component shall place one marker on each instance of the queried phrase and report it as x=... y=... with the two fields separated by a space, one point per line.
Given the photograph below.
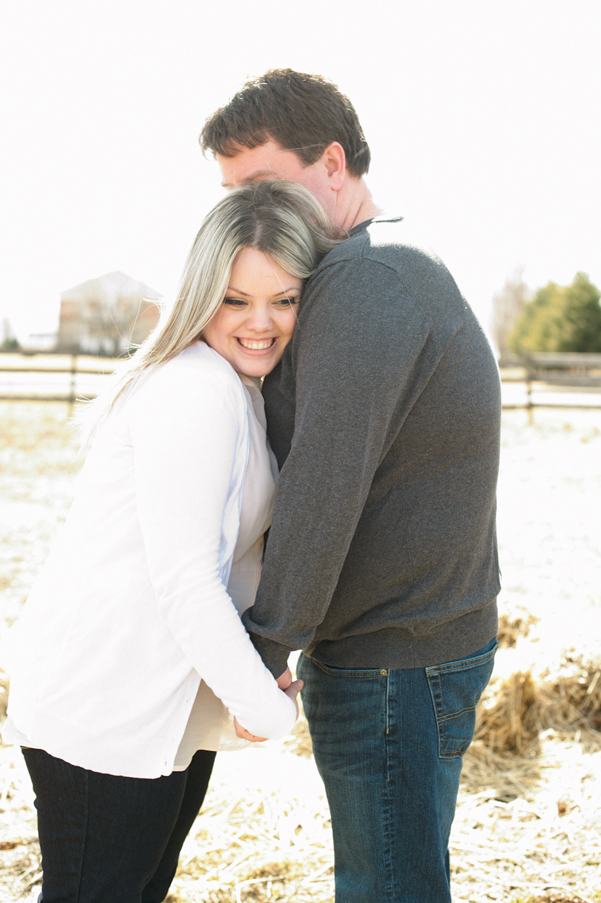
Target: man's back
x=386 y=503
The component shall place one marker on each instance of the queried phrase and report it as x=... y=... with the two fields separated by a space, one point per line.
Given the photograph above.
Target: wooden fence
x=52 y=377
x=549 y=376
x=549 y=380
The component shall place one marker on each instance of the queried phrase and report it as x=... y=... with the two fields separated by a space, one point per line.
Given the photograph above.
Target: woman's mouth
x=256 y=344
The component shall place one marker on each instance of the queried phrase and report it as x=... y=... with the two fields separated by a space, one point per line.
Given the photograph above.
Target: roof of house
x=110 y=286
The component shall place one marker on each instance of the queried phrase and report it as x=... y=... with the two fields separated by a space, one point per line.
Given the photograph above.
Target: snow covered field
x=527 y=831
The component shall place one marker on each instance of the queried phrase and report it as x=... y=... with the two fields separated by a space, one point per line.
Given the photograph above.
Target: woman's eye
x=234 y=302
x=287 y=302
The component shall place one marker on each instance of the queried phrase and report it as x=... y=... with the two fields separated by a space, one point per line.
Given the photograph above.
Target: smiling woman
x=255 y=324
x=132 y=666
x=277 y=225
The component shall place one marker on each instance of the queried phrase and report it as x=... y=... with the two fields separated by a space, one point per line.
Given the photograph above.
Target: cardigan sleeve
x=189 y=436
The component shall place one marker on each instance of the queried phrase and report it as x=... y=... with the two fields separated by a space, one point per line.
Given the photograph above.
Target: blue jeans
x=389 y=745
x=108 y=839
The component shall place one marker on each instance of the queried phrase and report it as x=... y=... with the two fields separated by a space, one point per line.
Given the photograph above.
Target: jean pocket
x=455 y=688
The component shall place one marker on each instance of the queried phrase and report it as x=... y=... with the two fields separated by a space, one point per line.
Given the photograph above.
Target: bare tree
x=106 y=315
x=109 y=322
x=507 y=306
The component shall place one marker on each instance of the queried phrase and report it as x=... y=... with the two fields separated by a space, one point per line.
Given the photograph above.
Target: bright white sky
x=483 y=118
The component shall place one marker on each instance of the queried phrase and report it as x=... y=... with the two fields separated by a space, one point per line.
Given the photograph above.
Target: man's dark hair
x=303 y=113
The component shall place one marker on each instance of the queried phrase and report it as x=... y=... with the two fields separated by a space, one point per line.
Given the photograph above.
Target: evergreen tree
x=8 y=341
x=560 y=318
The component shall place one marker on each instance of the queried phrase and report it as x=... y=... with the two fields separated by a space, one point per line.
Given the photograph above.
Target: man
x=381 y=563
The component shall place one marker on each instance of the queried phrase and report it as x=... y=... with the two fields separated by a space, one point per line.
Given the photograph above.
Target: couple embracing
x=160 y=628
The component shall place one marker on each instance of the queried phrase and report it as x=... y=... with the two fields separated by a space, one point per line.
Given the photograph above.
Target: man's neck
x=355 y=204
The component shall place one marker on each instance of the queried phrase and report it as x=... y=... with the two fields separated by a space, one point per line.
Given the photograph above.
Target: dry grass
x=528 y=824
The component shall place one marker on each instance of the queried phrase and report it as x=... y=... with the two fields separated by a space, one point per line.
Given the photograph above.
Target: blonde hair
x=279 y=218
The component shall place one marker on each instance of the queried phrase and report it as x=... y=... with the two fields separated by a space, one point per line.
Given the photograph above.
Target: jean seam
x=388 y=823
x=85 y=836
x=358 y=674
x=388 y=703
x=433 y=674
x=444 y=718
x=464 y=665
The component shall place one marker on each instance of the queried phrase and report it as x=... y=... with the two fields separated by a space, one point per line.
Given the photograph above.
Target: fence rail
x=52 y=377
x=548 y=380
x=553 y=379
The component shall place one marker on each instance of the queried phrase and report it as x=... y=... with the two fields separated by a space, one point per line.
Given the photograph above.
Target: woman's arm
x=189 y=435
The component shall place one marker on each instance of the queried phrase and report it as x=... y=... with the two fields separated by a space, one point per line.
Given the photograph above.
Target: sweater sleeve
x=359 y=361
x=190 y=445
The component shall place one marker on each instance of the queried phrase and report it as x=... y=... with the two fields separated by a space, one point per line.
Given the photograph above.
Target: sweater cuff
x=274 y=655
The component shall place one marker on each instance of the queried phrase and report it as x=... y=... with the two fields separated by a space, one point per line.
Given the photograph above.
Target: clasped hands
x=290 y=687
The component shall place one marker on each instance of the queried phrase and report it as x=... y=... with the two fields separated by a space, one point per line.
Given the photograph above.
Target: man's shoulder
x=385 y=244
x=388 y=255
x=383 y=281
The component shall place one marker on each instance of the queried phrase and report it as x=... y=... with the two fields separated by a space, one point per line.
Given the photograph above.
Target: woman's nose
x=259 y=318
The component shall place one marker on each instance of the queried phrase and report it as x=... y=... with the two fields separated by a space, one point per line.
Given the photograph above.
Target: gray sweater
x=384 y=415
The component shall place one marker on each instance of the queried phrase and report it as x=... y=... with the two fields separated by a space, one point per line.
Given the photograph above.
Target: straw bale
x=513 y=626
x=4 y=684
x=510 y=719
x=574 y=694
x=523 y=700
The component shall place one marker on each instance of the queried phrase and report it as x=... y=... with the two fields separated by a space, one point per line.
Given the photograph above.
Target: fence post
x=529 y=366
x=73 y=385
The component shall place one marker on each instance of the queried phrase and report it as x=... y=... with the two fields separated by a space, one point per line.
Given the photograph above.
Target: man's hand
x=284 y=680
x=292 y=690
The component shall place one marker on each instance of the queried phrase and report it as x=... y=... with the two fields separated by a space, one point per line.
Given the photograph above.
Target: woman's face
x=258 y=314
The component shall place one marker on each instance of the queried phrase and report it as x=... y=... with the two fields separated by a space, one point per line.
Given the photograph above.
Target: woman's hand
x=292 y=690
x=246 y=735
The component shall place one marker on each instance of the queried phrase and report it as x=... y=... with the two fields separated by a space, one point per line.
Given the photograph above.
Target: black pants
x=107 y=839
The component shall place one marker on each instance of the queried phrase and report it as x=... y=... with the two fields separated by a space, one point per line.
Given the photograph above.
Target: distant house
x=106 y=315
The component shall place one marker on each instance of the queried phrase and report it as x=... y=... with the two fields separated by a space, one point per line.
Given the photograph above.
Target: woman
x=134 y=605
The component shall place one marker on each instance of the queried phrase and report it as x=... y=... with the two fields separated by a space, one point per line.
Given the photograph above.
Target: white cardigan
x=131 y=607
